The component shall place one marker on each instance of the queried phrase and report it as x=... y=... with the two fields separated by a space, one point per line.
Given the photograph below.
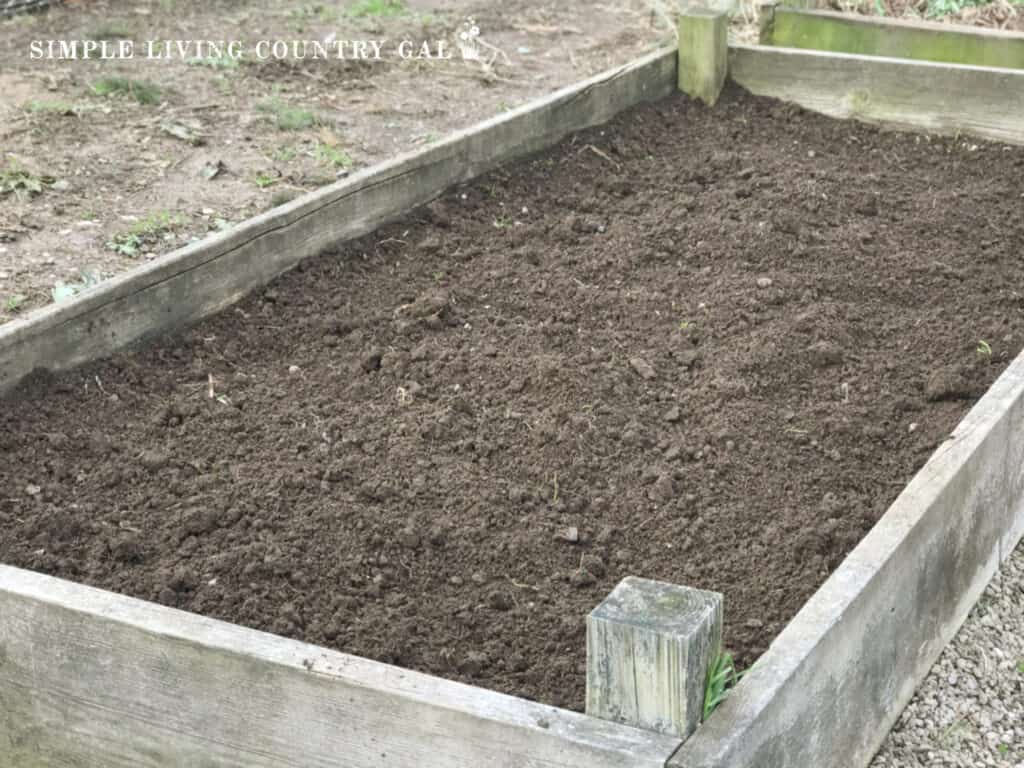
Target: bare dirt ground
x=97 y=184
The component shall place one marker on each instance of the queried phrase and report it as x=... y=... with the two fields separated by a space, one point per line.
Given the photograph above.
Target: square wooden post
x=703 y=53
x=649 y=646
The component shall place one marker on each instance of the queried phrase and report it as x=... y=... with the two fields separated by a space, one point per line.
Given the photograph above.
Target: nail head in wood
x=649 y=645
x=703 y=53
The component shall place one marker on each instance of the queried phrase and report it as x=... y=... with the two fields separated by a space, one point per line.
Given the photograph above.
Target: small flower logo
x=468 y=40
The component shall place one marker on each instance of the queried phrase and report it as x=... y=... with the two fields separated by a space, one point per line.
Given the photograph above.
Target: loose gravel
x=969 y=711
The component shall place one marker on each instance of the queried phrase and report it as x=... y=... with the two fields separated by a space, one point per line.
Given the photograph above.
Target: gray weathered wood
x=833 y=683
x=203 y=278
x=896 y=38
x=649 y=646
x=94 y=680
x=703 y=53
x=942 y=98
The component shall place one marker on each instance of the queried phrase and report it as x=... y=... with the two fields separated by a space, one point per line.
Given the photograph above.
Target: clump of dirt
x=711 y=352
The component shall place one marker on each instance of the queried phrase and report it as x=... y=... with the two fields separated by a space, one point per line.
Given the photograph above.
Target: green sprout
x=984 y=349
x=722 y=678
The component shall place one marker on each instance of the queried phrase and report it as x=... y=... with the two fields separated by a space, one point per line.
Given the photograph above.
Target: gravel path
x=969 y=711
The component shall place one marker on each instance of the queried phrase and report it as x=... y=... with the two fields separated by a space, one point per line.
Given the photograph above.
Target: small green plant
x=287 y=117
x=111 y=31
x=14 y=302
x=1003 y=749
x=264 y=180
x=685 y=325
x=284 y=154
x=62 y=291
x=984 y=349
x=144 y=232
x=722 y=678
x=502 y=222
x=377 y=8
x=282 y=197
x=225 y=61
x=1020 y=667
x=51 y=107
x=20 y=181
x=335 y=156
x=142 y=91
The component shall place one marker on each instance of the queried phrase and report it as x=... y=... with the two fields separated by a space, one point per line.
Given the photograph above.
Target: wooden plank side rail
x=940 y=98
x=833 y=683
x=205 y=277
x=95 y=680
x=894 y=38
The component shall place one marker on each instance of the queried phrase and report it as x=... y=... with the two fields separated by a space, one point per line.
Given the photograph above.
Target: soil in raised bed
x=703 y=346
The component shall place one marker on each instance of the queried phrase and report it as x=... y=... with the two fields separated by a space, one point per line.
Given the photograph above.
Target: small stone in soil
x=673 y=415
x=570 y=534
x=643 y=369
x=764 y=282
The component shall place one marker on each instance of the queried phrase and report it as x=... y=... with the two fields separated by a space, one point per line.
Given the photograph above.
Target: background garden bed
x=716 y=344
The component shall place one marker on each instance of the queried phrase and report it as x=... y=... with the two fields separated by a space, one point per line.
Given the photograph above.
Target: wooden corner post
x=649 y=646
x=703 y=53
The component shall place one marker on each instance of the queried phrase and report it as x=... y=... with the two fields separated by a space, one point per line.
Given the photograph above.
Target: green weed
x=147 y=231
x=142 y=91
x=722 y=678
x=20 y=182
x=264 y=180
x=335 y=156
x=62 y=291
x=286 y=117
x=111 y=31
x=214 y=62
x=51 y=107
x=14 y=302
x=984 y=349
x=377 y=8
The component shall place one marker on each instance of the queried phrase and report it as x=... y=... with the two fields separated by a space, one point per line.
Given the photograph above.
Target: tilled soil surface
x=703 y=346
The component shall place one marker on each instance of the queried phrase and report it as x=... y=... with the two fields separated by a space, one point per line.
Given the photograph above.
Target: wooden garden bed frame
x=88 y=678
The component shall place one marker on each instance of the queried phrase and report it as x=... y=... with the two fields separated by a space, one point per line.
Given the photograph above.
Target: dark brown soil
x=716 y=344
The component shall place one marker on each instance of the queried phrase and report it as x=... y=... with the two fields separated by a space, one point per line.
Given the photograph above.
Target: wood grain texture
x=941 y=98
x=196 y=281
x=833 y=683
x=94 y=680
x=703 y=53
x=649 y=646
x=897 y=38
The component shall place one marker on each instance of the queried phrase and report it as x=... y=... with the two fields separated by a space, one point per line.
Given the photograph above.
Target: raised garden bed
x=711 y=347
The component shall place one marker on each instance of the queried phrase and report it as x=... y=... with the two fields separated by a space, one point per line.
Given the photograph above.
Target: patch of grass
x=62 y=291
x=12 y=303
x=287 y=117
x=722 y=678
x=377 y=8
x=335 y=156
x=282 y=197
x=142 y=91
x=284 y=154
x=144 y=232
x=214 y=62
x=1020 y=667
x=264 y=180
x=55 y=107
x=111 y=31
x=20 y=182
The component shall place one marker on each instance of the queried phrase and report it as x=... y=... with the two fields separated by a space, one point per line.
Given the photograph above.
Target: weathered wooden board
x=942 y=98
x=94 y=680
x=205 y=277
x=832 y=684
x=895 y=38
